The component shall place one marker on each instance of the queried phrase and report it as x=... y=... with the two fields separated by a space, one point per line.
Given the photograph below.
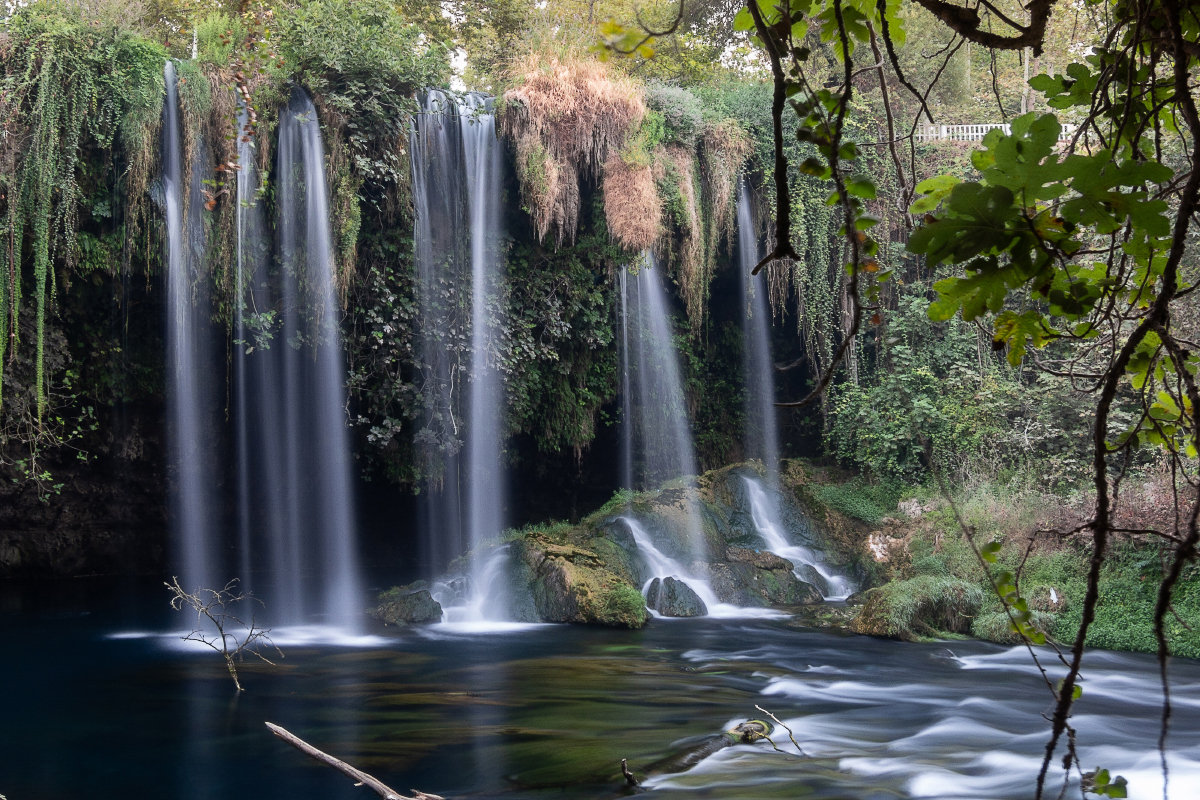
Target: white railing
x=973 y=133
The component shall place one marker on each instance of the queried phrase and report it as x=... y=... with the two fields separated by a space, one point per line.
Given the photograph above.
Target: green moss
x=869 y=502
x=920 y=608
x=622 y=606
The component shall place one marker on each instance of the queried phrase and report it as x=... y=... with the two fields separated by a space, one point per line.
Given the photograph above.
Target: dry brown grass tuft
x=631 y=204
x=566 y=114
x=695 y=262
x=724 y=148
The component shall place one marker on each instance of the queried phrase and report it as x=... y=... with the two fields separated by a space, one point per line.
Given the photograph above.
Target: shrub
x=922 y=607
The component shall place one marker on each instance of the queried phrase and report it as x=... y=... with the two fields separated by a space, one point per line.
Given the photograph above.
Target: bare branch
x=361 y=778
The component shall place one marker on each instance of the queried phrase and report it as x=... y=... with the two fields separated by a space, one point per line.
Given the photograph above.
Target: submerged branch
x=362 y=778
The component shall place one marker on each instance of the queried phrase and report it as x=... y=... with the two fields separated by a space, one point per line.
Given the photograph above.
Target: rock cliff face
x=594 y=573
x=106 y=516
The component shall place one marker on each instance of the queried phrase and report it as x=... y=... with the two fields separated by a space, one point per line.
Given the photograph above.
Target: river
x=103 y=701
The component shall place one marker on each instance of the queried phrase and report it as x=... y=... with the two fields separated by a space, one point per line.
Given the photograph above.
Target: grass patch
x=869 y=502
x=920 y=608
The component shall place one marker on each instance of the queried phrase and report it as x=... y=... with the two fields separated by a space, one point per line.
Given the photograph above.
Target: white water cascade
x=314 y=559
x=656 y=430
x=809 y=566
x=659 y=565
x=193 y=405
x=457 y=161
x=762 y=428
x=291 y=490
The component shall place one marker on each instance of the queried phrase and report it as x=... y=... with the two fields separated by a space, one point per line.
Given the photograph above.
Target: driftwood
x=361 y=778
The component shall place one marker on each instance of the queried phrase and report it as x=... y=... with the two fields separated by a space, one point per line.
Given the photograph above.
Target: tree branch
x=362 y=778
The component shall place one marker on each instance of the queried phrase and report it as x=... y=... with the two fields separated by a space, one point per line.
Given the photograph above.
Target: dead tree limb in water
x=234 y=637
x=361 y=778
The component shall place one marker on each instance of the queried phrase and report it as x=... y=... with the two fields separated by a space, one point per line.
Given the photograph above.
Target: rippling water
x=102 y=702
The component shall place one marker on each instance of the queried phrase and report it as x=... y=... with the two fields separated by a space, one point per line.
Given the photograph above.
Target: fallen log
x=361 y=778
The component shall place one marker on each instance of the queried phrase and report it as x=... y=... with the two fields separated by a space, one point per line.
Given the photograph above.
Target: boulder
x=572 y=583
x=759 y=559
x=809 y=574
x=672 y=597
x=403 y=605
x=743 y=584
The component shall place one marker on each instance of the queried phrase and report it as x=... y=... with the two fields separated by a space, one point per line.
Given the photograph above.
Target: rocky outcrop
x=672 y=597
x=403 y=605
x=590 y=572
x=571 y=582
x=759 y=578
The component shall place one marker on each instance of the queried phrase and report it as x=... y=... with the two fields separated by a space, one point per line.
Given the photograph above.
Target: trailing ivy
x=69 y=87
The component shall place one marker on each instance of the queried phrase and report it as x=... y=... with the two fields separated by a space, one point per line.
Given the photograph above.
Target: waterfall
x=656 y=431
x=809 y=566
x=191 y=401
x=314 y=556
x=762 y=427
x=457 y=162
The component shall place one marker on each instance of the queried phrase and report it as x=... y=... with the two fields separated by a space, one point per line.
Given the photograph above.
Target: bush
x=682 y=113
x=920 y=608
x=996 y=626
x=869 y=502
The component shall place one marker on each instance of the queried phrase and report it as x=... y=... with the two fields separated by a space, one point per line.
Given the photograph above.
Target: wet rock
x=572 y=583
x=809 y=574
x=743 y=584
x=672 y=597
x=759 y=559
x=406 y=605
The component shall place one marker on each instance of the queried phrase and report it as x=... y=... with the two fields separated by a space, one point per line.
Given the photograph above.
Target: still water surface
x=102 y=702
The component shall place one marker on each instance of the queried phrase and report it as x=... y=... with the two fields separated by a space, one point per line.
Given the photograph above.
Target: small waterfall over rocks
x=810 y=567
x=456 y=161
x=656 y=431
x=762 y=424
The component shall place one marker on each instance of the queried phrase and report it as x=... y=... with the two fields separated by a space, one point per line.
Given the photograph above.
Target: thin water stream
x=549 y=711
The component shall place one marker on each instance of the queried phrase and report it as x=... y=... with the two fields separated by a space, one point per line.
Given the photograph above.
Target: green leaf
x=977 y=221
x=862 y=187
x=935 y=190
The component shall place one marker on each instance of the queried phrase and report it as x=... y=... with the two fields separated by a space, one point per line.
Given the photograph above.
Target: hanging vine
x=67 y=87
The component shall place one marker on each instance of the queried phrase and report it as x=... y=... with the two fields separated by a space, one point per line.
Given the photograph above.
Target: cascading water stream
x=764 y=513
x=659 y=565
x=191 y=410
x=457 y=163
x=656 y=433
x=317 y=550
x=762 y=430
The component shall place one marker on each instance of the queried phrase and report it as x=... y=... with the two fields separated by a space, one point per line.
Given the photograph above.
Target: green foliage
x=997 y=626
x=869 y=502
x=365 y=64
x=681 y=110
x=1021 y=224
x=217 y=38
x=623 y=605
x=70 y=89
x=558 y=356
x=922 y=607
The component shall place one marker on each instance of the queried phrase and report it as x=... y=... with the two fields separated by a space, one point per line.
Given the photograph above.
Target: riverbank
x=914 y=575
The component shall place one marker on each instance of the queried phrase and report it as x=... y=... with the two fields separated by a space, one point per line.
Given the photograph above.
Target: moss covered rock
x=403 y=605
x=919 y=608
x=572 y=583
